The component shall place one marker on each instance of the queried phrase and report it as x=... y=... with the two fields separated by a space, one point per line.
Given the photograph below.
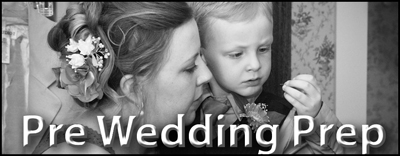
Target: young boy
x=237 y=38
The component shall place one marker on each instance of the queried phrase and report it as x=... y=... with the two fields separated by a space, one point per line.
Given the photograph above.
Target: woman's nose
x=204 y=75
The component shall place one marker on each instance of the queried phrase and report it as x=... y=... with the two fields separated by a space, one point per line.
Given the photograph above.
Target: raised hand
x=304 y=94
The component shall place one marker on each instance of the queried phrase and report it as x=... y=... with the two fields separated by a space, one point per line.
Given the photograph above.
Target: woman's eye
x=235 y=55
x=191 y=69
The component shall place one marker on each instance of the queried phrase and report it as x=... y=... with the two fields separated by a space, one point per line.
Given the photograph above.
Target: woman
x=128 y=59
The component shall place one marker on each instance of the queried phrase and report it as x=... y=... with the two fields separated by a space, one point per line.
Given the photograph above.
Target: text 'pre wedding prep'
x=207 y=128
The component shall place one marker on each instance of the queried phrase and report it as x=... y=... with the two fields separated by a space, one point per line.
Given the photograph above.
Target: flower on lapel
x=84 y=62
x=256 y=115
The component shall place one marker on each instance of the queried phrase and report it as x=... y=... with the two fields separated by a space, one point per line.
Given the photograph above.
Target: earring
x=141 y=111
x=141 y=95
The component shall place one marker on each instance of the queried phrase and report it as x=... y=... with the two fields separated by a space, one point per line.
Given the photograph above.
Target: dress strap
x=92 y=137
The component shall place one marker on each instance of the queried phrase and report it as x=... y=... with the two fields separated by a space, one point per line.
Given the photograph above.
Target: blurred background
x=350 y=47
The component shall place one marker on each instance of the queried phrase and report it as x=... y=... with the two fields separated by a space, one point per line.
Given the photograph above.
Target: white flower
x=86 y=47
x=76 y=61
x=73 y=46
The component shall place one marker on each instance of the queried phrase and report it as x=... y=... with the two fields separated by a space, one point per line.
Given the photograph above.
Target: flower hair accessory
x=89 y=50
x=256 y=114
x=84 y=61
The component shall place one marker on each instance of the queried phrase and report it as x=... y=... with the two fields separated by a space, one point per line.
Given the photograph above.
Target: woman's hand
x=304 y=94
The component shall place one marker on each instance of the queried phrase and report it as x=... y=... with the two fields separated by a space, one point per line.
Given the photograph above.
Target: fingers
x=302 y=86
x=296 y=93
x=304 y=94
x=297 y=104
x=308 y=78
x=302 y=91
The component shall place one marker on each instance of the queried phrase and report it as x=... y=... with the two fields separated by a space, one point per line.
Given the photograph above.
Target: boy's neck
x=254 y=98
x=217 y=91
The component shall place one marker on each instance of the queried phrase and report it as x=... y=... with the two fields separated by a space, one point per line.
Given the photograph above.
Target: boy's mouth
x=253 y=82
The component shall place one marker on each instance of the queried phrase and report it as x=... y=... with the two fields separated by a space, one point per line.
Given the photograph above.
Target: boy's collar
x=237 y=102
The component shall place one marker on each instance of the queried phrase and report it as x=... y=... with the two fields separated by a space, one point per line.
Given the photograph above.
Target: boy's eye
x=235 y=55
x=264 y=49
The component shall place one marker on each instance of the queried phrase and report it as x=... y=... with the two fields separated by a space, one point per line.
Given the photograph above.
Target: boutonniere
x=257 y=115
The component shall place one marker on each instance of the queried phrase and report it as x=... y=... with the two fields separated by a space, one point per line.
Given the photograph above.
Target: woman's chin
x=190 y=115
x=189 y=118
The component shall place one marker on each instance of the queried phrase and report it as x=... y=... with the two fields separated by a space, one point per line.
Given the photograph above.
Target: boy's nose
x=254 y=63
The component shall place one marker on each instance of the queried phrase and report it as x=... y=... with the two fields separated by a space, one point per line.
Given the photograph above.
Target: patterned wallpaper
x=382 y=75
x=313 y=51
x=313 y=44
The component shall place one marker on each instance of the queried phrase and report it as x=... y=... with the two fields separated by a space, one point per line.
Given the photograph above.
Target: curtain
x=14 y=74
x=281 y=52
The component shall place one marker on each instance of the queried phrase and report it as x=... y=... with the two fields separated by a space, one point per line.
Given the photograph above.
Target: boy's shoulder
x=274 y=102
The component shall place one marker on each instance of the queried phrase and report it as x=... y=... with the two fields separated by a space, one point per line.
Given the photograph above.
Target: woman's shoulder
x=92 y=139
x=65 y=148
x=92 y=142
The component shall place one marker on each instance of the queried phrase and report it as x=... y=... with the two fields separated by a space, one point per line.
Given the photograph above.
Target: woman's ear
x=126 y=84
x=132 y=98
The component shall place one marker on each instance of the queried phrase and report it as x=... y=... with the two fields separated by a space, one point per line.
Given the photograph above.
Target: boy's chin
x=250 y=92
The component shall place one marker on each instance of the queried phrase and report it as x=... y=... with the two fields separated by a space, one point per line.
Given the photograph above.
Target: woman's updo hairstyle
x=136 y=34
x=84 y=75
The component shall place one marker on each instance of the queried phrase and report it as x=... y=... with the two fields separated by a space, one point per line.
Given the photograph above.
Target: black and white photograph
x=147 y=77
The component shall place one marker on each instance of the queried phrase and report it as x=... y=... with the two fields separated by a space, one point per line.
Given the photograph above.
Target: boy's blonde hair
x=229 y=11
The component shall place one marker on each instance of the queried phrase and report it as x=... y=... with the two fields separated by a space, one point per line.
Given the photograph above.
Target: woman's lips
x=197 y=101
